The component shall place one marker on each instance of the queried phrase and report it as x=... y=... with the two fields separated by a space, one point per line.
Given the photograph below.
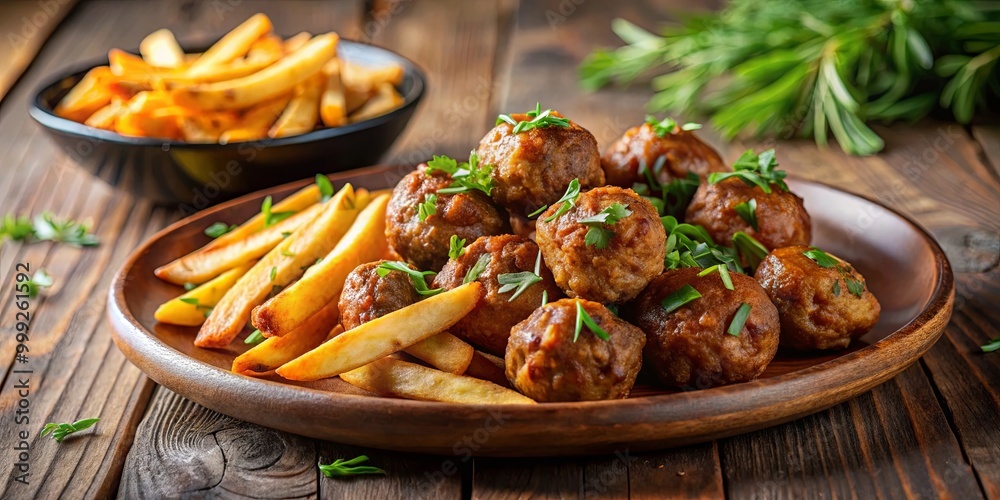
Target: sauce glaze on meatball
x=782 y=220
x=545 y=364
x=425 y=244
x=682 y=151
x=534 y=167
x=818 y=308
x=613 y=274
x=488 y=325
x=690 y=346
x=367 y=295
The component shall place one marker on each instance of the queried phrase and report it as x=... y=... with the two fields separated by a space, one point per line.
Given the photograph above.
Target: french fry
x=384 y=335
x=268 y=48
x=393 y=377
x=385 y=99
x=190 y=309
x=202 y=265
x=161 y=123
x=282 y=265
x=104 y=118
x=354 y=98
x=160 y=48
x=207 y=127
x=256 y=121
x=322 y=283
x=361 y=77
x=136 y=68
x=273 y=352
x=302 y=112
x=295 y=202
x=90 y=94
x=293 y=43
x=232 y=45
x=275 y=80
x=333 y=102
x=443 y=351
x=487 y=367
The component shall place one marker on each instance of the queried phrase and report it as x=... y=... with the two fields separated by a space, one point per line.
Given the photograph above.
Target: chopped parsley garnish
x=188 y=286
x=739 y=319
x=456 y=247
x=539 y=119
x=466 y=176
x=821 y=258
x=46 y=227
x=824 y=260
x=60 y=431
x=428 y=207
x=582 y=318
x=325 y=187
x=418 y=278
x=854 y=286
x=274 y=272
x=272 y=218
x=519 y=282
x=723 y=271
x=991 y=346
x=755 y=170
x=218 y=229
x=598 y=235
x=668 y=126
x=254 y=338
x=477 y=268
x=747 y=211
x=751 y=250
x=679 y=298
x=286 y=253
x=568 y=200
x=677 y=194
x=206 y=310
x=836 y=288
x=345 y=468
x=691 y=246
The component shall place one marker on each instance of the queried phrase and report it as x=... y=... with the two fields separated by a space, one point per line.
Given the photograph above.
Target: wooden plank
x=495 y=479
x=407 y=475
x=680 y=473
x=892 y=442
x=26 y=24
x=988 y=137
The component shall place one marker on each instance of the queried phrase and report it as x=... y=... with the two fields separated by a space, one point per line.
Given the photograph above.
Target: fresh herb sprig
x=539 y=119
x=582 y=318
x=466 y=176
x=598 y=235
x=477 y=268
x=991 y=346
x=418 y=278
x=345 y=468
x=60 y=431
x=679 y=298
x=749 y=249
x=824 y=67
x=47 y=227
x=272 y=218
x=456 y=247
x=668 y=125
x=519 y=282
x=218 y=229
x=691 y=246
x=755 y=170
x=855 y=286
x=747 y=211
x=428 y=207
x=566 y=202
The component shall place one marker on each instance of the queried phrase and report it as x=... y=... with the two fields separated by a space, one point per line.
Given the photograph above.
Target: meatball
x=545 y=363
x=621 y=269
x=682 y=152
x=425 y=244
x=820 y=307
x=782 y=220
x=488 y=325
x=690 y=346
x=367 y=295
x=534 y=167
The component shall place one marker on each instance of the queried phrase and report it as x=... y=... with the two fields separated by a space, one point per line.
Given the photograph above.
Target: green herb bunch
x=814 y=67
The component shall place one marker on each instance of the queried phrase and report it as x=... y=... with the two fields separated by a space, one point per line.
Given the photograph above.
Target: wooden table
x=931 y=431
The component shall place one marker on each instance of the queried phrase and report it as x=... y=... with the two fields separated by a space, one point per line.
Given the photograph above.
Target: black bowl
x=195 y=176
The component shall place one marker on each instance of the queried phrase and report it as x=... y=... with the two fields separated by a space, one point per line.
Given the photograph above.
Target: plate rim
x=837 y=377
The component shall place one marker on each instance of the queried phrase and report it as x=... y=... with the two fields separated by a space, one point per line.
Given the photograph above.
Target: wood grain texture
x=25 y=25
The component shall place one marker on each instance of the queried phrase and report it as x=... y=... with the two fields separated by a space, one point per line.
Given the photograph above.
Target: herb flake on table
x=346 y=468
x=47 y=227
x=417 y=278
x=991 y=346
x=39 y=280
x=538 y=119
x=60 y=431
x=582 y=318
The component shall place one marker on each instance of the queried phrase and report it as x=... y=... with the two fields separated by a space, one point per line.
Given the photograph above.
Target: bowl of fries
x=204 y=123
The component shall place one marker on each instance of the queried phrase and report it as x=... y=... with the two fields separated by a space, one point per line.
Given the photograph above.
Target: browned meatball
x=367 y=295
x=425 y=244
x=534 y=167
x=690 y=346
x=613 y=274
x=488 y=325
x=546 y=364
x=782 y=220
x=820 y=307
x=682 y=152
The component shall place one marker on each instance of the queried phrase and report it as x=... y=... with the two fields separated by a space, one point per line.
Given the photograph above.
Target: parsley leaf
x=428 y=207
x=418 y=278
x=669 y=126
x=345 y=468
x=747 y=211
x=272 y=218
x=477 y=268
x=582 y=318
x=539 y=119
x=467 y=176
x=218 y=229
x=41 y=279
x=598 y=235
x=456 y=247
x=755 y=170
x=568 y=200
x=325 y=187
x=821 y=258
x=60 y=431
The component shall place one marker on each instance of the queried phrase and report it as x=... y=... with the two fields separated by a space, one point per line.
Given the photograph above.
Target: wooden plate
x=904 y=267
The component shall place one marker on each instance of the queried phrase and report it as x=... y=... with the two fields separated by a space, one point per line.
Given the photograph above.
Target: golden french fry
x=443 y=351
x=354 y=98
x=90 y=94
x=333 y=102
x=295 y=202
x=337 y=330
x=208 y=126
x=273 y=81
x=273 y=352
x=323 y=282
x=361 y=77
x=302 y=112
x=486 y=366
x=384 y=335
x=104 y=118
x=203 y=264
x=268 y=48
x=385 y=100
x=256 y=121
x=191 y=308
x=293 y=43
x=160 y=48
x=232 y=45
x=135 y=68
x=393 y=377
x=282 y=265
